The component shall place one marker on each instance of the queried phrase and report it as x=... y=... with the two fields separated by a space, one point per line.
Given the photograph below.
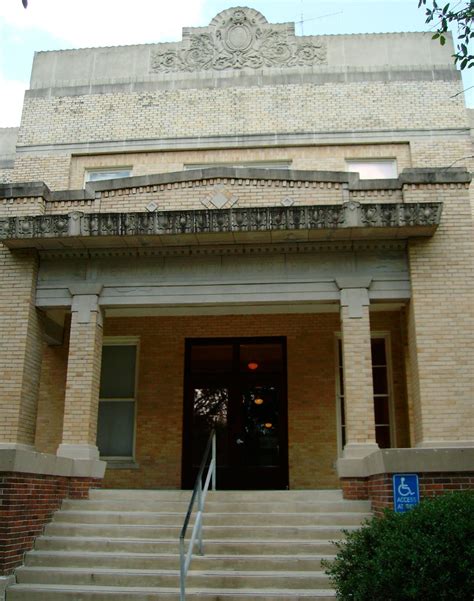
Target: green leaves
x=426 y=553
x=461 y=19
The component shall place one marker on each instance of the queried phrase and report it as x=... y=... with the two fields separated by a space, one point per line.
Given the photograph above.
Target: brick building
x=246 y=228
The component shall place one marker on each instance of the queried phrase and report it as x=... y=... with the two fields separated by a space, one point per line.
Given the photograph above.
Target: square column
x=358 y=384
x=21 y=349
x=83 y=379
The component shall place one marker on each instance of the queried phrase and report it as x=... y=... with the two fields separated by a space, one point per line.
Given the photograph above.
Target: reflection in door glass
x=260 y=426
x=210 y=409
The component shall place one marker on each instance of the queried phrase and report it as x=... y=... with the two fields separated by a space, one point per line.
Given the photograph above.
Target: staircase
x=123 y=545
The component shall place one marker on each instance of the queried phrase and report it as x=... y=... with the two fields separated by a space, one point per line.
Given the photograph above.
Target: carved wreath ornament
x=237 y=39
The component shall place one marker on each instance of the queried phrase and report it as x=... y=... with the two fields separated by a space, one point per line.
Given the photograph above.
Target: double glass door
x=237 y=386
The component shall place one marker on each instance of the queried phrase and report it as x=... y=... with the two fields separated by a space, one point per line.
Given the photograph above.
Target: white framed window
x=248 y=164
x=385 y=432
x=373 y=168
x=117 y=400
x=97 y=175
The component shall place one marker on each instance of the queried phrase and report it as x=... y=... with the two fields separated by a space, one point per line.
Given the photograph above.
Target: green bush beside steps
x=425 y=554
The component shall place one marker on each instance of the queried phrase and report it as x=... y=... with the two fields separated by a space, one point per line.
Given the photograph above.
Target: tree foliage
x=460 y=16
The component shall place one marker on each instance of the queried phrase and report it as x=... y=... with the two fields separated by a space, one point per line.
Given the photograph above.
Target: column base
x=357 y=450
x=78 y=451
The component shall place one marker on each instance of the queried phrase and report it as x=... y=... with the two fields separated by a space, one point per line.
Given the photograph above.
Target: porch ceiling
x=347 y=221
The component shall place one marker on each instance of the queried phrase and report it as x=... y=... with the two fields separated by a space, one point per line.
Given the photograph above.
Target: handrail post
x=214 y=461
x=182 y=571
x=200 y=492
x=199 y=516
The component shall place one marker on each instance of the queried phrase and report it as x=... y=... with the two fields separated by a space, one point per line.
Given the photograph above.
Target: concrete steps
x=124 y=545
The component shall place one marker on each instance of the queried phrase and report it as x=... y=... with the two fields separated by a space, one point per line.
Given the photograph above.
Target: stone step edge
x=284 y=594
x=208 y=514
x=218 y=541
x=158 y=572
x=218 y=526
x=124 y=554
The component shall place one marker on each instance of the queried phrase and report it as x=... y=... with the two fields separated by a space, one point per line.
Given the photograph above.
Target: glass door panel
x=258 y=439
x=210 y=410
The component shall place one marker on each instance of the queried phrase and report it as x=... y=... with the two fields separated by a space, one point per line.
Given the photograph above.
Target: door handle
x=239 y=441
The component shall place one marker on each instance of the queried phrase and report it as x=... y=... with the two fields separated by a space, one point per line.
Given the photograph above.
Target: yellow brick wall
x=49 y=425
x=20 y=347
x=441 y=320
x=305 y=107
x=53 y=170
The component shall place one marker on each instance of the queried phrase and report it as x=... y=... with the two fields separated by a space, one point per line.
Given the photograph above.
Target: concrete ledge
x=389 y=461
x=32 y=462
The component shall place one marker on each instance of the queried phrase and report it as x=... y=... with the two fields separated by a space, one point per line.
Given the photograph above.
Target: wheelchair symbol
x=404 y=490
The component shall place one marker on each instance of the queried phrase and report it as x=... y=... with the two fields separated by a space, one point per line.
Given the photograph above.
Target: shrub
x=425 y=554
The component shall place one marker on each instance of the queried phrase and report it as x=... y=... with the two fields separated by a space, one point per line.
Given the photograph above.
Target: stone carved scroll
x=240 y=38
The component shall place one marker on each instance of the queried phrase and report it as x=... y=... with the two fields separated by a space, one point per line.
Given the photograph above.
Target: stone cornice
x=350 y=220
x=349 y=180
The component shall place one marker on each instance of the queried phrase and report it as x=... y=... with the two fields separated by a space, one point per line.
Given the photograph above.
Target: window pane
x=102 y=174
x=115 y=428
x=382 y=415
x=378 y=351
x=117 y=379
x=261 y=358
x=343 y=415
x=211 y=358
x=382 y=436
x=373 y=169
x=210 y=407
x=258 y=433
x=380 y=380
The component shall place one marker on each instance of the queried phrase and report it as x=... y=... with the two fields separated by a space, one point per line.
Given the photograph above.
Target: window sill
x=121 y=464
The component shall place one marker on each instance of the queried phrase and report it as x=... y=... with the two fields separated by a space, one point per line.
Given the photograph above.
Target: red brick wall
x=378 y=488
x=27 y=503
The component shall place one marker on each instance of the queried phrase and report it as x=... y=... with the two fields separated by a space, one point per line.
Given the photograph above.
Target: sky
x=63 y=24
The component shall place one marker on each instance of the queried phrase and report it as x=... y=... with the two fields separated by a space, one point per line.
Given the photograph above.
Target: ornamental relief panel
x=240 y=38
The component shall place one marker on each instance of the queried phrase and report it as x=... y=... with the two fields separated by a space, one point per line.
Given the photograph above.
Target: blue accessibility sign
x=406 y=492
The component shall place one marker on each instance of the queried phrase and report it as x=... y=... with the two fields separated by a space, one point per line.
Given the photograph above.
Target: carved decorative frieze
x=239 y=38
x=422 y=216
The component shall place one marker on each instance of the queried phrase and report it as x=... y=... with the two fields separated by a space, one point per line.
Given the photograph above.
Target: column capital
x=83 y=304
x=355 y=299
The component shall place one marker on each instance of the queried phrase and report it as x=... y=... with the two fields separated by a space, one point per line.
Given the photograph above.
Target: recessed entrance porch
x=148 y=420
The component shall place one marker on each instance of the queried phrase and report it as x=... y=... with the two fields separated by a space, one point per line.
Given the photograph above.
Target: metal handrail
x=200 y=492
